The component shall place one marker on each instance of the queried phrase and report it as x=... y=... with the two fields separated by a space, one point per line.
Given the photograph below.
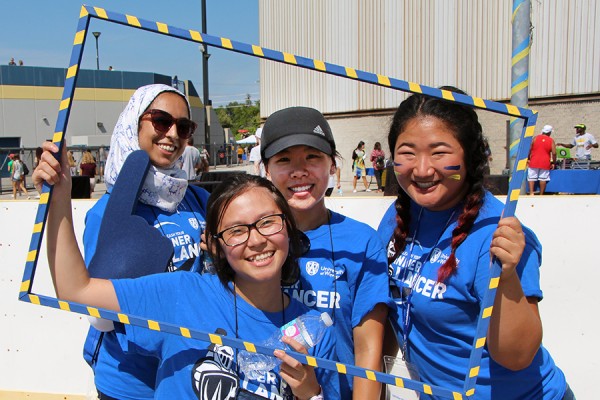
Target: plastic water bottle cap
x=326 y=319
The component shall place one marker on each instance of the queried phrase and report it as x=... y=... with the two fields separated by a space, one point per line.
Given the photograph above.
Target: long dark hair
x=467 y=130
x=221 y=197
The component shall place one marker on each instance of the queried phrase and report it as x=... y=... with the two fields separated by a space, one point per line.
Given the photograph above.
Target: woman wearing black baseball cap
x=344 y=273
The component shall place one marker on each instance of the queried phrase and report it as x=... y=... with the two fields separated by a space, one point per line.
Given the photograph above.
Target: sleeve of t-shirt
x=592 y=139
x=155 y=303
x=528 y=268
x=372 y=283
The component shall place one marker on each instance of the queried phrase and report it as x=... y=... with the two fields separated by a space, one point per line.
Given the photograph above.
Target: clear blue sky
x=41 y=32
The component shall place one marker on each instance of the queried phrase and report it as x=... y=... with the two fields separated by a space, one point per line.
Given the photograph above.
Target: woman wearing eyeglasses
x=442 y=231
x=344 y=272
x=155 y=120
x=251 y=237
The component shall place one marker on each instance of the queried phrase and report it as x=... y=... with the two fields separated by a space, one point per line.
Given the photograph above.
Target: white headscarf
x=163 y=187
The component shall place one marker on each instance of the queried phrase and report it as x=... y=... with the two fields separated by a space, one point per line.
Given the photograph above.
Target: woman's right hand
x=50 y=170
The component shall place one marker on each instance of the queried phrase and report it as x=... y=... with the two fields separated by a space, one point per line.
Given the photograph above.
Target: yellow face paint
x=456 y=177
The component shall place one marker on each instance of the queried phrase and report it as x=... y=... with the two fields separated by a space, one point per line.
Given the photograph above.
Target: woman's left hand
x=300 y=377
x=508 y=244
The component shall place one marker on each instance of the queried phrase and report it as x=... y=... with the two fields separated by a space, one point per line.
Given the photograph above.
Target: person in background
x=221 y=155
x=72 y=163
x=10 y=157
x=334 y=180
x=240 y=154
x=156 y=120
x=101 y=161
x=17 y=172
x=542 y=158
x=87 y=167
x=358 y=166
x=378 y=160
x=204 y=160
x=255 y=158
x=583 y=142
x=344 y=271
x=253 y=243
x=443 y=231
x=190 y=158
x=12 y=61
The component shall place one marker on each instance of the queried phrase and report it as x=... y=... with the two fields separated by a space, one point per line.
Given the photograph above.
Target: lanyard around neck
x=407 y=292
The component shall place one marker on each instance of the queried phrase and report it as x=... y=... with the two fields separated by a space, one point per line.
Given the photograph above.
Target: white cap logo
x=319 y=130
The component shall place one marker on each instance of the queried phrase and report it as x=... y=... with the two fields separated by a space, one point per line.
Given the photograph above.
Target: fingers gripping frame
x=529 y=118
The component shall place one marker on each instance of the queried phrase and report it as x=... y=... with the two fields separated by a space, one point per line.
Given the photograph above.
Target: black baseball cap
x=296 y=126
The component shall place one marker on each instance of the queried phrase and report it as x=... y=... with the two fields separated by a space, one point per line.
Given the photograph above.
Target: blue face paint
x=452 y=167
x=397 y=164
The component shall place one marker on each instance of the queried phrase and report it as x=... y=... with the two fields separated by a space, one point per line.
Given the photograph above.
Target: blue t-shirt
x=132 y=376
x=188 y=367
x=361 y=280
x=444 y=316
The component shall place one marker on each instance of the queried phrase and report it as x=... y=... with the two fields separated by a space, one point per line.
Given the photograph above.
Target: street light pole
x=205 y=99
x=97 y=35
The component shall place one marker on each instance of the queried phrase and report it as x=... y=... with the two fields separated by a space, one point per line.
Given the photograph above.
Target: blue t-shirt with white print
x=444 y=316
x=132 y=376
x=195 y=369
x=360 y=283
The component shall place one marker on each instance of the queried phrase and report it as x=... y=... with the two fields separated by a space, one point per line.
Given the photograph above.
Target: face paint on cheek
x=452 y=167
x=456 y=177
x=396 y=173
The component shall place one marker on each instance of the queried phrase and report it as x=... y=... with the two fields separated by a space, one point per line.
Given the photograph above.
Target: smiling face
x=429 y=163
x=301 y=173
x=260 y=259
x=163 y=149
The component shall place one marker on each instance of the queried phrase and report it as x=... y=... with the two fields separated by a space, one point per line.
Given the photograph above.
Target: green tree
x=237 y=116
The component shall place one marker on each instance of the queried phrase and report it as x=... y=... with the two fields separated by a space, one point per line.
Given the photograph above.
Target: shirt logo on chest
x=312 y=267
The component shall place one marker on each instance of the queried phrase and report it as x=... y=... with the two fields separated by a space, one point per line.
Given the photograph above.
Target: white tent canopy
x=249 y=140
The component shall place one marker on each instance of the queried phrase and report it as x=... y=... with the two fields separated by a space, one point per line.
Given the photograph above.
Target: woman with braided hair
x=441 y=232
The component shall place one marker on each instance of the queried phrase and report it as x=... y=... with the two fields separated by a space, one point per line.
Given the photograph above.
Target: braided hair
x=467 y=130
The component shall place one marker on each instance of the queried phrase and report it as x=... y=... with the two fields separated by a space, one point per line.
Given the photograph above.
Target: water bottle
x=340 y=191
x=208 y=266
x=307 y=329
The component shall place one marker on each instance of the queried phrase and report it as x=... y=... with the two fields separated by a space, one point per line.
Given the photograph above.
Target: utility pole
x=521 y=45
x=97 y=35
x=205 y=99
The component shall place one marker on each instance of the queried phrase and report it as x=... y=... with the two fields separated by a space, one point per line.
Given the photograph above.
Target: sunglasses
x=162 y=121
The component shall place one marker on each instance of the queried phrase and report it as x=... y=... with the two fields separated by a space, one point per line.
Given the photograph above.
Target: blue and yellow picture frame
x=528 y=116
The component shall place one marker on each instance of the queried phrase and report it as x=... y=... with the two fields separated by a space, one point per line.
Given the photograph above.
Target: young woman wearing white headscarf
x=155 y=120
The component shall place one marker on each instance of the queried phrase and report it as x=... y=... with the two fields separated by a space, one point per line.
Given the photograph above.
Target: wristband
x=318 y=396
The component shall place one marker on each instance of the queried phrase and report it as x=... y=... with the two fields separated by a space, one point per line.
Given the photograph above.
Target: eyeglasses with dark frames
x=162 y=121
x=239 y=234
